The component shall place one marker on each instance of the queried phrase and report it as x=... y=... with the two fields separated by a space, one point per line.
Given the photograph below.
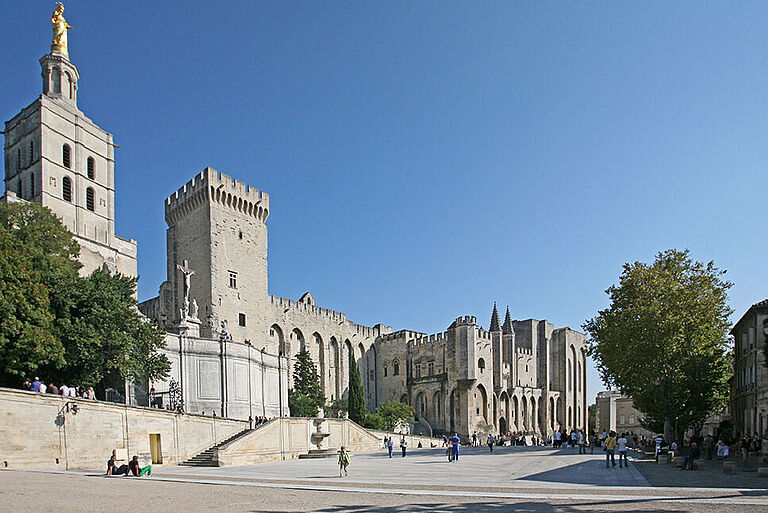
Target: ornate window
x=91 y=168
x=395 y=368
x=481 y=365
x=66 y=156
x=418 y=370
x=66 y=189
x=89 y=202
x=430 y=368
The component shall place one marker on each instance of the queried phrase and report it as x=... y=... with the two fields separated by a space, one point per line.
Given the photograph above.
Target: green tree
x=664 y=339
x=37 y=261
x=306 y=397
x=375 y=421
x=56 y=323
x=395 y=414
x=337 y=409
x=357 y=411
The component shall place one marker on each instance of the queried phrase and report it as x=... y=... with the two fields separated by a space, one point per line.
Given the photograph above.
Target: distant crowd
x=41 y=388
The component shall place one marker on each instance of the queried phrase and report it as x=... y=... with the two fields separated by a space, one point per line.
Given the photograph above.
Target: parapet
x=212 y=186
x=318 y=311
x=467 y=320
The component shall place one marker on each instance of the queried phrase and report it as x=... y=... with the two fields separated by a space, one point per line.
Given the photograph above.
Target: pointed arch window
x=91 y=168
x=31 y=185
x=31 y=151
x=66 y=189
x=395 y=368
x=89 y=201
x=66 y=156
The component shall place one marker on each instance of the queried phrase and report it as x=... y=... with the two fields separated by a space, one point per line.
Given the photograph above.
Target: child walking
x=343 y=461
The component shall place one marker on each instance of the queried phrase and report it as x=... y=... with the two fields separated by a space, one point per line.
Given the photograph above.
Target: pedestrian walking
x=455 y=441
x=622 y=441
x=403 y=445
x=343 y=461
x=474 y=439
x=389 y=446
x=609 y=446
x=490 y=441
x=582 y=443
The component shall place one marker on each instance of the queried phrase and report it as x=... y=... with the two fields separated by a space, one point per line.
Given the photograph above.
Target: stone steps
x=205 y=458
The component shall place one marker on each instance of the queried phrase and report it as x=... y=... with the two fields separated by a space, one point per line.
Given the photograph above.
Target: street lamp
x=250 y=402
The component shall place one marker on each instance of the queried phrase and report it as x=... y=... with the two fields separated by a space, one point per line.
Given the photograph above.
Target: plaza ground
x=511 y=479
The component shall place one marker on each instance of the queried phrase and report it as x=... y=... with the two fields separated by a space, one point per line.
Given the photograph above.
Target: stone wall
x=43 y=431
x=288 y=438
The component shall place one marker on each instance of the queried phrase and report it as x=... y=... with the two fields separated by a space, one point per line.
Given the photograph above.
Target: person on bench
x=136 y=470
x=113 y=469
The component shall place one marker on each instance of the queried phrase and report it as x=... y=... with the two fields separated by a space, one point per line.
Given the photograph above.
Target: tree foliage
x=337 y=409
x=306 y=397
x=60 y=325
x=664 y=338
x=393 y=414
x=357 y=411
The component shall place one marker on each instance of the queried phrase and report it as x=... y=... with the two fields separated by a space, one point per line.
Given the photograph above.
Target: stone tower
x=56 y=156
x=218 y=226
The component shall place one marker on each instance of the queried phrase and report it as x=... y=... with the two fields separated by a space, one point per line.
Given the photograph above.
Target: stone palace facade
x=231 y=343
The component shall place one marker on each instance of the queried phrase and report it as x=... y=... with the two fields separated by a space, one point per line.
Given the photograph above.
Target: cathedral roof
x=507 y=327
x=495 y=325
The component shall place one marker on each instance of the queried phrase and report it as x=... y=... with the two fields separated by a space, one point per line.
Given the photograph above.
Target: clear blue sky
x=427 y=158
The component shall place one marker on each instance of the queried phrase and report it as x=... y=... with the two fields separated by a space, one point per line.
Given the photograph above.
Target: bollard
x=662 y=459
x=762 y=471
x=729 y=467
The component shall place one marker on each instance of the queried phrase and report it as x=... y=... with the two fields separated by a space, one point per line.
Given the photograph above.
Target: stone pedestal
x=317 y=437
x=190 y=327
x=662 y=459
x=729 y=467
x=762 y=471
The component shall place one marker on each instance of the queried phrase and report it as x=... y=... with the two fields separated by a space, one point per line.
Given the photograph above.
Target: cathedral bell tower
x=56 y=156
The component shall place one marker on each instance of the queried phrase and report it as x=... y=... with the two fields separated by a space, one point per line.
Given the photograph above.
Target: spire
x=507 y=327
x=495 y=319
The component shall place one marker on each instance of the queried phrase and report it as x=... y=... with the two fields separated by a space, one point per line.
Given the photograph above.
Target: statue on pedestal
x=187 y=272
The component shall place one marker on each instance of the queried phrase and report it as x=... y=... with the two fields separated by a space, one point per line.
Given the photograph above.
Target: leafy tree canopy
x=306 y=397
x=395 y=415
x=664 y=338
x=57 y=324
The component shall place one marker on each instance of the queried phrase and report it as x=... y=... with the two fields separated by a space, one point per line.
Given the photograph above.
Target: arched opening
x=481 y=365
x=56 y=79
x=317 y=351
x=66 y=156
x=534 y=415
x=276 y=342
x=66 y=189
x=297 y=342
x=574 y=394
x=502 y=425
x=552 y=414
x=70 y=85
x=361 y=360
x=89 y=199
x=481 y=402
x=516 y=413
x=333 y=369
x=570 y=418
x=421 y=404
x=524 y=420
x=395 y=368
x=437 y=420
x=91 y=167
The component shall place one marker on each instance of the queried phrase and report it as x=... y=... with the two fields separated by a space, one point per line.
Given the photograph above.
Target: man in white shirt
x=622 y=442
x=43 y=388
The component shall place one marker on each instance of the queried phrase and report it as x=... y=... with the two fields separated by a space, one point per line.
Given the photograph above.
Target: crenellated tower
x=217 y=228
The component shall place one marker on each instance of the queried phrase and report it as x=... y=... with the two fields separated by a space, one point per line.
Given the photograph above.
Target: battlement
x=467 y=320
x=214 y=187
x=423 y=339
x=524 y=351
x=400 y=336
x=318 y=311
x=482 y=334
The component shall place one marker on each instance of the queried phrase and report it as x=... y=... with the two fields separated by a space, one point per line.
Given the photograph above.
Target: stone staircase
x=205 y=458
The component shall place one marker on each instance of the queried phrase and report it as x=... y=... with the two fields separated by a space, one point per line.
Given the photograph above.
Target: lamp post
x=263 y=406
x=250 y=402
x=223 y=338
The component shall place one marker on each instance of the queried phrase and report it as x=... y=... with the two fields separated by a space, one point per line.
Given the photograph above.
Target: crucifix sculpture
x=187 y=272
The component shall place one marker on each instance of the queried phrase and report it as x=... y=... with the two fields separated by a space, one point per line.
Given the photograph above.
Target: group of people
x=258 y=421
x=610 y=444
x=132 y=468
x=40 y=387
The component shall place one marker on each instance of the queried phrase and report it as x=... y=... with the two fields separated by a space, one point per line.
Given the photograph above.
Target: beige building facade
x=56 y=156
x=617 y=412
x=749 y=387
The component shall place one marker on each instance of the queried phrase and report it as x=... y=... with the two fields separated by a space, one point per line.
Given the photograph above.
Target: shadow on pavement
x=467 y=507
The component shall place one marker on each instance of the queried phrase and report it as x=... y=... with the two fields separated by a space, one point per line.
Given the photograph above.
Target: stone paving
x=530 y=479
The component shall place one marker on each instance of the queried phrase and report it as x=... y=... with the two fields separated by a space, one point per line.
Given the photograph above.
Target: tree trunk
x=669 y=431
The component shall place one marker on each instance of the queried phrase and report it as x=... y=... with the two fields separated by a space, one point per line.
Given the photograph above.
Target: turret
x=495 y=326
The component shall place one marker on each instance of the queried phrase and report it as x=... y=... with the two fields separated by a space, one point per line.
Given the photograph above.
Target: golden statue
x=60 y=27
